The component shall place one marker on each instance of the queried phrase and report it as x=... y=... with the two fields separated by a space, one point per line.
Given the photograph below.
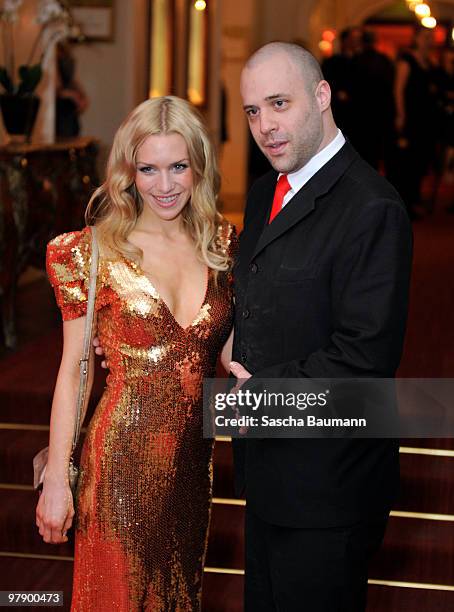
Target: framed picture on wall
x=95 y=19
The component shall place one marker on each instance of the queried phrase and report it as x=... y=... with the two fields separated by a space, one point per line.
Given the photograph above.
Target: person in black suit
x=321 y=291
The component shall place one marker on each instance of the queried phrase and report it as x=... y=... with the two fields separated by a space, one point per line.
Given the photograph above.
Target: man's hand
x=99 y=351
x=241 y=374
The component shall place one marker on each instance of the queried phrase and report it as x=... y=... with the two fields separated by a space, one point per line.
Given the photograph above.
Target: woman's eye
x=180 y=167
x=145 y=169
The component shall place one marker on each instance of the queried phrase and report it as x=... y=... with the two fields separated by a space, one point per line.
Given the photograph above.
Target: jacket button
x=254 y=268
x=243 y=356
x=246 y=314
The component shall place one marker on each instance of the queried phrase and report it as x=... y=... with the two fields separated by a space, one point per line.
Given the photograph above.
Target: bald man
x=322 y=282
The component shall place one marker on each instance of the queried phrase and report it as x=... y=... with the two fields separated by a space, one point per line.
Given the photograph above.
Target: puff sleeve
x=68 y=268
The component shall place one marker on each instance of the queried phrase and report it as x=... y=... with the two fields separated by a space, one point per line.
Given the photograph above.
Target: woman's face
x=163 y=175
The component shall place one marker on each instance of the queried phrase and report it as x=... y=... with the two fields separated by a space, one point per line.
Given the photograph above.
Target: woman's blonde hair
x=116 y=205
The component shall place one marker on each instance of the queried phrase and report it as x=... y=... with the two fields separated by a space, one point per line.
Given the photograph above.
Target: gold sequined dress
x=144 y=493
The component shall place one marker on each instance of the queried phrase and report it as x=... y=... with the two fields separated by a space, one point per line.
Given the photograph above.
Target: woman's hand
x=99 y=351
x=55 y=512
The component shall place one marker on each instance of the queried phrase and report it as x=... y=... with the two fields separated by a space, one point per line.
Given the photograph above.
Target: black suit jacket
x=322 y=292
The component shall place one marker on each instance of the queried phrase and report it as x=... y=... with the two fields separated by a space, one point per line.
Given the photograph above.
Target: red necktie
x=282 y=187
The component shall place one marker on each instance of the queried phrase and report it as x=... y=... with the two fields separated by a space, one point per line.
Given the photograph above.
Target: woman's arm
x=55 y=510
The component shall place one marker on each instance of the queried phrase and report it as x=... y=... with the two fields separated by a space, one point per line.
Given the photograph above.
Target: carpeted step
x=404 y=599
x=429 y=443
x=18 y=530
x=427 y=484
x=29 y=574
x=416 y=550
x=226 y=541
x=27 y=381
x=427 y=481
x=17 y=449
x=223 y=470
x=221 y=592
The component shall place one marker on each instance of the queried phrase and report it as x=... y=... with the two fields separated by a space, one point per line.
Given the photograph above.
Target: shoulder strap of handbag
x=88 y=333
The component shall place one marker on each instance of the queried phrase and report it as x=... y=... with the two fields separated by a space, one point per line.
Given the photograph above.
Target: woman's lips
x=166 y=201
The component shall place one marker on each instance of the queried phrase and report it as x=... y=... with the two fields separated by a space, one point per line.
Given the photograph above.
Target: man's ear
x=323 y=95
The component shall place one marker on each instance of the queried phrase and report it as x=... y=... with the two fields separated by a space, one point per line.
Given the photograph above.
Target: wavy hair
x=116 y=205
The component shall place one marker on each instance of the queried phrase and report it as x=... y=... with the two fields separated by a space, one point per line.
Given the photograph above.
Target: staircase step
x=221 y=592
x=226 y=542
x=416 y=550
x=223 y=470
x=427 y=484
x=27 y=381
x=402 y=599
x=28 y=574
x=17 y=449
x=429 y=443
x=19 y=534
x=18 y=530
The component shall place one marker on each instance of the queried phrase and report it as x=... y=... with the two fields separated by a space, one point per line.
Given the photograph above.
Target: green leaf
x=5 y=81
x=29 y=77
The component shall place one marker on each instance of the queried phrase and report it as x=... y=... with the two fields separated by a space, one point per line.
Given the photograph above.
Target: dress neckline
x=139 y=270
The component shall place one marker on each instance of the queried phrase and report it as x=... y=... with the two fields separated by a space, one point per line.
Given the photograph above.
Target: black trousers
x=308 y=570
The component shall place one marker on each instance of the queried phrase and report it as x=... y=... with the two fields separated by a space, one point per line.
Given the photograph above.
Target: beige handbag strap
x=88 y=333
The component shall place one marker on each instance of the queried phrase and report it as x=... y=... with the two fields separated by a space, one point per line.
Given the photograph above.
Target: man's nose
x=267 y=123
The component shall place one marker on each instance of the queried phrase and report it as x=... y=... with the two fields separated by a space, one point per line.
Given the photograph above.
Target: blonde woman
x=163 y=314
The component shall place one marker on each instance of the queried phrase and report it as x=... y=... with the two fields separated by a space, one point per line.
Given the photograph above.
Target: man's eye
x=280 y=103
x=251 y=112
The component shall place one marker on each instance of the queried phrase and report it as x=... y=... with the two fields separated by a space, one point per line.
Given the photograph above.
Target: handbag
x=40 y=459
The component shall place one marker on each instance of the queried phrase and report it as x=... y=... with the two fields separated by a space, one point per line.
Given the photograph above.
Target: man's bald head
x=301 y=58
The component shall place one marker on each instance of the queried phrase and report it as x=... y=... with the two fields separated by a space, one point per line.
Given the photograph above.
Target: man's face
x=284 y=118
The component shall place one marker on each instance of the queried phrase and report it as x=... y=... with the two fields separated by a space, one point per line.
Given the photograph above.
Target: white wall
x=114 y=74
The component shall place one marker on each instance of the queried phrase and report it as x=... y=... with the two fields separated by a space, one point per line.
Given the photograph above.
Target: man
x=338 y=71
x=373 y=102
x=321 y=291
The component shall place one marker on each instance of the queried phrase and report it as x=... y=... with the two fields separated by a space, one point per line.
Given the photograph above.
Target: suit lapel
x=304 y=202
x=295 y=210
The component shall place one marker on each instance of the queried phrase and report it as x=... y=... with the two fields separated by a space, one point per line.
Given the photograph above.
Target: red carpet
x=417 y=549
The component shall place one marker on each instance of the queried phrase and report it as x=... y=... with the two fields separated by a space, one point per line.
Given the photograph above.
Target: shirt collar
x=299 y=178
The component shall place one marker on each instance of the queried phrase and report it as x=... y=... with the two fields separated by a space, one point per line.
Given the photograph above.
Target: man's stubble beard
x=303 y=151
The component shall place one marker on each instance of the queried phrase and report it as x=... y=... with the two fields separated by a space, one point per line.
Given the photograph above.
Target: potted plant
x=18 y=102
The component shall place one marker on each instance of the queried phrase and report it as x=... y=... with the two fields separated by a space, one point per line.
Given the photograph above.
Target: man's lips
x=276 y=148
x=167 y=200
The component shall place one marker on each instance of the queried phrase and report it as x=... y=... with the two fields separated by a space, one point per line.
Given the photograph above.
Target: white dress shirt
x=299 y=178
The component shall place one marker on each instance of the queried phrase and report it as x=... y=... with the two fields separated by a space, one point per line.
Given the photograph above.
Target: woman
x=416 y=114
x=164 y=312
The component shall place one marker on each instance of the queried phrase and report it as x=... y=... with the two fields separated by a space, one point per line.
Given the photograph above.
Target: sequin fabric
x=144 y=493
